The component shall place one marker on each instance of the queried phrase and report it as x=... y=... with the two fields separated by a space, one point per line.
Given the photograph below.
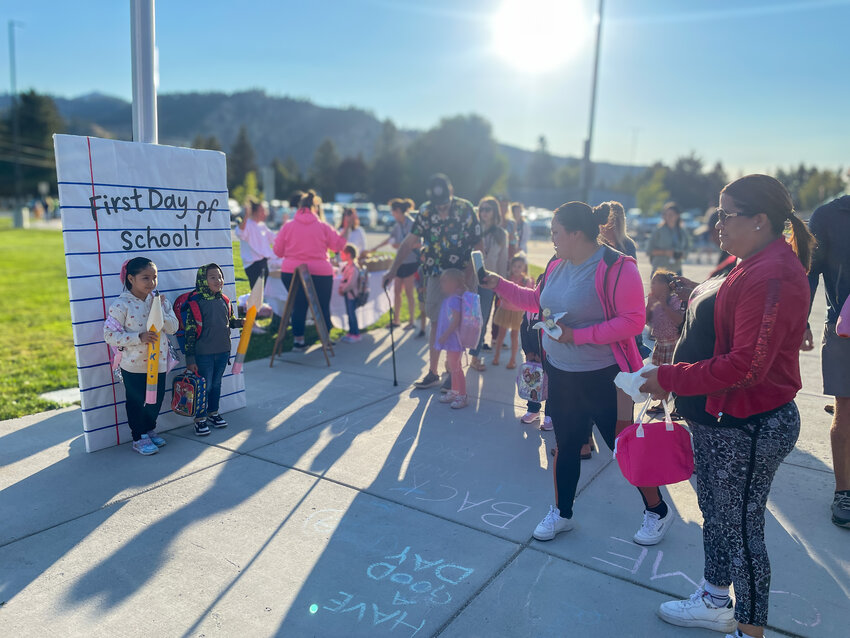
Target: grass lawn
x=37 y=353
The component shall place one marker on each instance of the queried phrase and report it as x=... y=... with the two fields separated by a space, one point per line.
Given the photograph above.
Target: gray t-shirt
x=215 y=335
x=571 y=289
x=399 y=232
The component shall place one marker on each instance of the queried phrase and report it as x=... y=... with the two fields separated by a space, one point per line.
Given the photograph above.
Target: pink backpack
x=470 y=323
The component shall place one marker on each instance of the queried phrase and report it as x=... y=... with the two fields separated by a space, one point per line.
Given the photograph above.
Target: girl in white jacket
x=126 y=329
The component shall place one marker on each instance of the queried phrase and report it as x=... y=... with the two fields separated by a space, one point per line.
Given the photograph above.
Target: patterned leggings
x=735 y=466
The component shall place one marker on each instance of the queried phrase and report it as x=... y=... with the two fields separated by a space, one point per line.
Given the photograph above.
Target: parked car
x=367 y=213
x=540 y=221
x=385 y=217
x=333 y=213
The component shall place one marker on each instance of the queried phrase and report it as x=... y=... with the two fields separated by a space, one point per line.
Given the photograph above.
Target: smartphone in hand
x=478 y=264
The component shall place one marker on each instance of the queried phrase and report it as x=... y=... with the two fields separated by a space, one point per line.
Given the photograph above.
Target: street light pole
x=16 y=127
x=586 y=165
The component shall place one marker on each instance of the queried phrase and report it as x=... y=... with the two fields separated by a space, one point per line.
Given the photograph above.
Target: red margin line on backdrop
x=102 y=293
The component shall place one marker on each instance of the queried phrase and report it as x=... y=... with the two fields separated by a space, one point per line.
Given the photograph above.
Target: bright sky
x=756 y=84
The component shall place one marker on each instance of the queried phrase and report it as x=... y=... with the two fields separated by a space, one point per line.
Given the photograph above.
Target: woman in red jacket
x=750 y=422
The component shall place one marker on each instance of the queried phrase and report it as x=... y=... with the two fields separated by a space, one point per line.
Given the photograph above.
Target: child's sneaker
x=448 y=397
x=216 y=421
x=145 y=446
x=156 y=439
x=352 y=338
x=529 y=417
x=201 y=428
x=547 y=424
x=461 y=401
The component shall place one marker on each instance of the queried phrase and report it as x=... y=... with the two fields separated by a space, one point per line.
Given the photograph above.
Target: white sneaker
x=530 y=417
x=653 y=528
x=547 y=424
x=697 y=611
x=552 y=525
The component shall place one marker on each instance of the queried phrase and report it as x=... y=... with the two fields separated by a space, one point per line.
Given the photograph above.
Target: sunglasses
x=723 y=215
x=485 y=209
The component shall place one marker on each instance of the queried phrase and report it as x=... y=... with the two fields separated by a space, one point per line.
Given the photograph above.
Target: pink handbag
x=842 y=326
x=654 y=454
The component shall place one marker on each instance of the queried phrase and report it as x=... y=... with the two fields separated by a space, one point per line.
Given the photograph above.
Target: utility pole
x=586 y=165
x=143 y=53
x=16 y=127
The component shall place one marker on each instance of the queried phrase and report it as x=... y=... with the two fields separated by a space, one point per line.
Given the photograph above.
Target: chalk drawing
x=499 y=514
x=632 y=564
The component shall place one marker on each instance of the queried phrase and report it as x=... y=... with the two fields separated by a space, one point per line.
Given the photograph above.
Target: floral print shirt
x=132 y=314
x=446 y=243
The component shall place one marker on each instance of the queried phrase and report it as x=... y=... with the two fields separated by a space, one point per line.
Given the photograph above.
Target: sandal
x=511 y=365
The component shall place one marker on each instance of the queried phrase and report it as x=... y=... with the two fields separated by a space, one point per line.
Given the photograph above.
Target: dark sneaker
x=447 y=384
x=428 y=381
x=202 y=428
x=216 y=421
x=841 y=509
x=486 y=347
x=420 y=334
x=299 y=347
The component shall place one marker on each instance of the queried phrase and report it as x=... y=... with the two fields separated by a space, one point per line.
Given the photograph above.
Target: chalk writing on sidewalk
x=413 y=579
x=633 y=562
x=498 y=514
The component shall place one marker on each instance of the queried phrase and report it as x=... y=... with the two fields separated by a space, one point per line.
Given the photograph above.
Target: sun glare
x=537 y=36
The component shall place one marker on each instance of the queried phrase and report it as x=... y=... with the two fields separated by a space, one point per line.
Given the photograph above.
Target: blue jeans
x=351 y=309
x=487 y=297
x=211 y=368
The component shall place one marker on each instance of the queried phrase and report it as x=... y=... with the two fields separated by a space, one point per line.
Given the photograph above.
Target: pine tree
x=241 y=160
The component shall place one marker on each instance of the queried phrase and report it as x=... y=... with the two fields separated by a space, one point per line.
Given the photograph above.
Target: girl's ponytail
x=802 y=241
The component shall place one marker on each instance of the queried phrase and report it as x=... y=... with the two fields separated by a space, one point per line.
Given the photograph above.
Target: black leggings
x=256 y=270
x=324 y=287
x=140 y=417
x=576 y=401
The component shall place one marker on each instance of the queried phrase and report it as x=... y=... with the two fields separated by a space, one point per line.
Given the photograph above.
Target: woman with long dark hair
x=740 y=349
x=496 y=244
x=601 y=292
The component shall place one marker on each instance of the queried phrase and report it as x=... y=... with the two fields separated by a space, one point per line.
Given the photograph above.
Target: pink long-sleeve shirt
x=306 y=239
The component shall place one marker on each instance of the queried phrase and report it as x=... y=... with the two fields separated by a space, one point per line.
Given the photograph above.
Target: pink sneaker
x=547 y=424
x=448 y=397
x=529 y=417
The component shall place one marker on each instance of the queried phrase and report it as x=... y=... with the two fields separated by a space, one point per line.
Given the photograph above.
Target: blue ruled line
x=106 y=427
x=159 y=188
x=148 y=250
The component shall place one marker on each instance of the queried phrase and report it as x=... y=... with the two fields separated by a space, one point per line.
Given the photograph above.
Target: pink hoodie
x=306 y=240
x=620 y=291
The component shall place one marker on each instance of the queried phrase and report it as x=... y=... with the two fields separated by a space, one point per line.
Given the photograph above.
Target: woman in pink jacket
x=601 y=292
x=305 y=239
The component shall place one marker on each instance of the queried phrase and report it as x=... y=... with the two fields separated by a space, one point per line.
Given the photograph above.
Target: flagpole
x=143 y=53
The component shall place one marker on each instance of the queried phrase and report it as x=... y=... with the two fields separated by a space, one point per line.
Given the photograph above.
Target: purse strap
x=668 y=418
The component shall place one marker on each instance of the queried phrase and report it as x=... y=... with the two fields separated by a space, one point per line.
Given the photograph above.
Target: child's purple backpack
x=470 y=322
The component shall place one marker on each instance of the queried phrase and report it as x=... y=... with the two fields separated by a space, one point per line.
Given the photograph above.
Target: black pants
x=324 y=287
x=735 y=467
x=256 y=270
x=576 y=401
x=140 y=417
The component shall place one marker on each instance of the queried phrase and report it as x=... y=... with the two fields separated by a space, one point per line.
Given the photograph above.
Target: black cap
x=439 y=189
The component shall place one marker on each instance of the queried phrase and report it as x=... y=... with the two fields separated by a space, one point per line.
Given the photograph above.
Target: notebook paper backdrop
x=121 y=200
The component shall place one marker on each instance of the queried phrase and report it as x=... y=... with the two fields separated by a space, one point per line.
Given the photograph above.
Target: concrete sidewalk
x=336 y=504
